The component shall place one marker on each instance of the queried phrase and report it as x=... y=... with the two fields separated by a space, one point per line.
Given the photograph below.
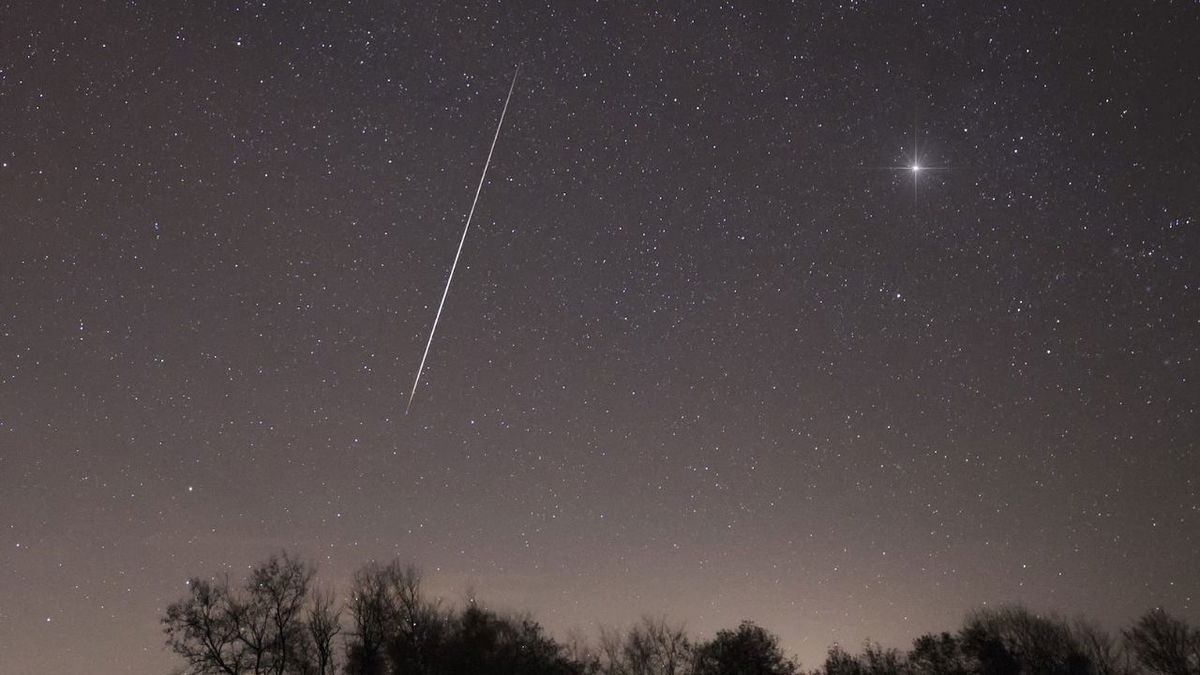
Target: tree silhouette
x=750 y=650
x=875 y=660
x=258 y=628
x=393 y=622
x=201 y=628
x=481 y=642
x=938 y=655
x=1012 y=640
x=276 y=623
x=324 y=624
x=840 y=662
x=1164 y=644
x=1105 y=654
x=654 y=647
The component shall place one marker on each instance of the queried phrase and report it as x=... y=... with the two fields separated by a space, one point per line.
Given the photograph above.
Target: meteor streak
x=466 y=228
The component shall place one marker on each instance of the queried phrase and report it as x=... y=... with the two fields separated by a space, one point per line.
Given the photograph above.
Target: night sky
x=714 y=349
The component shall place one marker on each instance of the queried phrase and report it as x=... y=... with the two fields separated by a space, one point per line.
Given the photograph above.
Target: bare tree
x=201 y=629
x=640 y=652
x=840 y=662
x=369 y=607
x=1164 y=644
x=611 y=652
x=883 y=661
x=277 y=593
x=417 y=624
x=1105 y=654
x=578 y=649
x=654 y=647
x=874 y=660
x=259 y=628
x=937 y=655
x=393 y=622
x=324 y=623
x=1013 y=638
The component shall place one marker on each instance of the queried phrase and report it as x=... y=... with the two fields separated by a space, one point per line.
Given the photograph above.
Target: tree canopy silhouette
x=277 y=622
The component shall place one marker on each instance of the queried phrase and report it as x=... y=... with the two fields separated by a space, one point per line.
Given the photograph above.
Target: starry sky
x=714 y=350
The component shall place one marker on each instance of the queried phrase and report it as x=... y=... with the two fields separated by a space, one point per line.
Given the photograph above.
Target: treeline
x=278 y=621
